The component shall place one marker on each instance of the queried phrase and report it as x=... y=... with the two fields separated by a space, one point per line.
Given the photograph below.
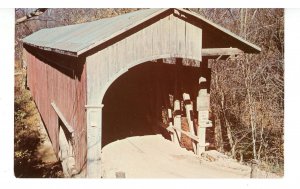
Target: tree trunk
x=248 y=85
x=218 y=134
x=227 y=125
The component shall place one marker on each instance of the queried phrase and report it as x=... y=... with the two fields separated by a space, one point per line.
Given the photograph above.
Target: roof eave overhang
x=59 y=51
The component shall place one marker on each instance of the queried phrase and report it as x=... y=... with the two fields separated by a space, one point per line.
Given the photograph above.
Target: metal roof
x=77 y=39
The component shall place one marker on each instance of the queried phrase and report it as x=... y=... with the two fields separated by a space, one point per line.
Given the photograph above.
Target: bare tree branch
x=45 y=20
x=35 y=13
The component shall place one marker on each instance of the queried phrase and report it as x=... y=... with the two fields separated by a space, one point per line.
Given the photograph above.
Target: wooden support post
x=177 y=120
x=170 y=119
x=189 y=115
x=203 y=115
x=94 y=137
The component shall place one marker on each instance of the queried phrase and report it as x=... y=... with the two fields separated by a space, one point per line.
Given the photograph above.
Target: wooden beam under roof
x=221 y=52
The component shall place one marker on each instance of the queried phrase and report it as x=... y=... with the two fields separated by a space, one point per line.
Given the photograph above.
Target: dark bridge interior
x=133 y=104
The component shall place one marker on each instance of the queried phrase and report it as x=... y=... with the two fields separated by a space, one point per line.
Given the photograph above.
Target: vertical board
x=103 y=59
x=193 y=40
x=148 y=51
x=190 y=40
x=198 y=44
x=139 y=41
x=180 y=33
x=156 y=42
x=173 y=35
x=165 y=35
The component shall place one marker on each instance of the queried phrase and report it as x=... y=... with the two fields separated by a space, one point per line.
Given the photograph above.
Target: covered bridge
x=94 y=80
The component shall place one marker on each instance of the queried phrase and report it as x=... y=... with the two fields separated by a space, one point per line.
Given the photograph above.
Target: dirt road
x=155 y=157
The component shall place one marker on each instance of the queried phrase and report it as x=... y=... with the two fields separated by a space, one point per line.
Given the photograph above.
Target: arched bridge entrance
x=135 y=103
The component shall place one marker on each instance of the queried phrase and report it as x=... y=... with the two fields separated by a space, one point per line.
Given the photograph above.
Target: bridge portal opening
x=136 y=103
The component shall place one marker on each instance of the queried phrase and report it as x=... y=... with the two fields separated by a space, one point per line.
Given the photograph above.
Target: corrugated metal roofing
x=77 y=39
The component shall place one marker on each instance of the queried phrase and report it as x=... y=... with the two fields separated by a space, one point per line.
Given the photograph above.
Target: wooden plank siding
x=170 y=36
x=64 y=85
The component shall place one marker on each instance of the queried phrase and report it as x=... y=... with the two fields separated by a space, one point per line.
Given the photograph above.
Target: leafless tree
x=248 y=92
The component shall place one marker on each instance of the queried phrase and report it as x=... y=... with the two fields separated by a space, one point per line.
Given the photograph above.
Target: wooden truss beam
x=69 y=128
x=172 y=129
x=221 y=51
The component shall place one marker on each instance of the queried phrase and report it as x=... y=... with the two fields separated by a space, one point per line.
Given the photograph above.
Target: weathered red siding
x=62 y=80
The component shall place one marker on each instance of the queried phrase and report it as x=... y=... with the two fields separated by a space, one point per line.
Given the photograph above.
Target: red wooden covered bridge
x=92 y=82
